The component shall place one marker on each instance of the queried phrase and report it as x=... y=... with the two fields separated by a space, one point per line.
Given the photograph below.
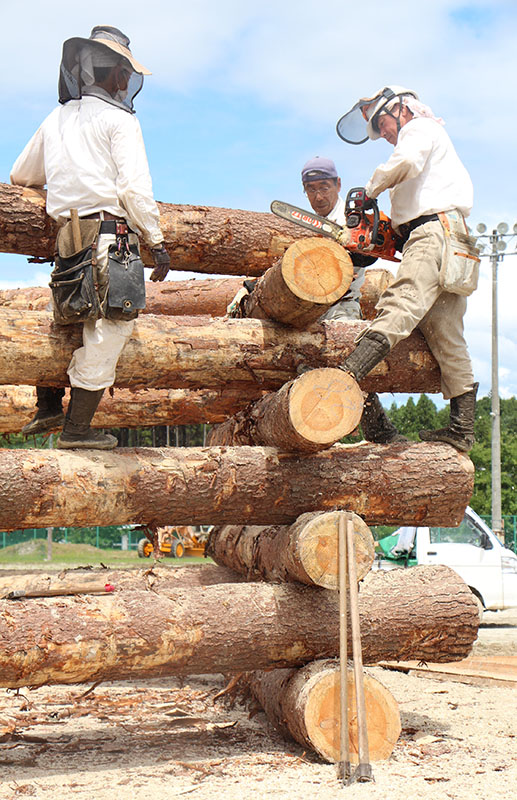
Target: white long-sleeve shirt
x=424 y=174
x=91 y=156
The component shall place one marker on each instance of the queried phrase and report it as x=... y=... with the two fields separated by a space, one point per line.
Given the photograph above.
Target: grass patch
x=34 y=552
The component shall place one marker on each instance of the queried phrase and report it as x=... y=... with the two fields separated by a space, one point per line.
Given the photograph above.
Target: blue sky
x=242 y=94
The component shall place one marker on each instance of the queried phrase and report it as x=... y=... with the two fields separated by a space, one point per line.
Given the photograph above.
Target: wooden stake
x=344 y=747
x=363 y=771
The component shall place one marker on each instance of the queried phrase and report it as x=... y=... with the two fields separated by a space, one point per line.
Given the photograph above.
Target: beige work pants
x=93 y=365
x=416 y=300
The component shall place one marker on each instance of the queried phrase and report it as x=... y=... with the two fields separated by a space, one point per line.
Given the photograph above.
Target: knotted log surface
x=304 y=704
x=420 y=613
x=305 y=415
x=229 y=485
x=198 y=238
x=199 y=353
x=198 y=297
x=312 y=275
x=138 y=408
x=306 y=551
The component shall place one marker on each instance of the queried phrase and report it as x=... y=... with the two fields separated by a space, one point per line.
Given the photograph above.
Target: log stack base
x=304 y=704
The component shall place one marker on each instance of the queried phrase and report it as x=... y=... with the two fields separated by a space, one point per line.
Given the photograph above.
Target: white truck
x=471 y=549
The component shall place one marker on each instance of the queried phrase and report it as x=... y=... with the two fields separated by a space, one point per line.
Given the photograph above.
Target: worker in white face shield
x=89 y=152
x=431 y=194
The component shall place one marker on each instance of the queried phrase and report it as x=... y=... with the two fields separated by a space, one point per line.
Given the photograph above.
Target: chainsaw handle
x=356 y=204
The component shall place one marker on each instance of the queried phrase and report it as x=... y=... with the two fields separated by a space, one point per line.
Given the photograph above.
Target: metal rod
x=364 y=770
x=495 y=413
x=344 y=746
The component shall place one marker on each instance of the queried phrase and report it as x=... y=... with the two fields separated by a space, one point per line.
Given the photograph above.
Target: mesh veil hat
x=107 y=36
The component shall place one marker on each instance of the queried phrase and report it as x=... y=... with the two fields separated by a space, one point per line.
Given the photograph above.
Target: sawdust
x=171 y=739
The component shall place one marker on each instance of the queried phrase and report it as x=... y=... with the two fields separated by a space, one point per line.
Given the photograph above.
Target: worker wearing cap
x=427 y=181
x=322 y=184
x=90 y=154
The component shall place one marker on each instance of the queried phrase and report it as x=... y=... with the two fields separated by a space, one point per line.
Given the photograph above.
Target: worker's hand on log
x=162 y=262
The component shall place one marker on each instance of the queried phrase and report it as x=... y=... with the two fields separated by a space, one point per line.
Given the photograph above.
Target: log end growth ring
x=325 y=405
x=322 y=717
x=318 y=548
x=317 y=270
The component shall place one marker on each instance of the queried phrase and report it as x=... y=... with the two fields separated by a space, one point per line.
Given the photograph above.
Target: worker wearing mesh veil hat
x=90 y=154
x=431 y=194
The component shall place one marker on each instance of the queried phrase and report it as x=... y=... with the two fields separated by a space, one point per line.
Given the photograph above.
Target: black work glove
x=161 y=261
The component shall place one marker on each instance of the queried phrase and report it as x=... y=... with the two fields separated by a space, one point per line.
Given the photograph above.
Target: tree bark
x=138 y=408
x=304 y=704
x=305 y=415
x=306 y=551
x=194 y=352
x=423 y=613
x=198 y=297
x=198 y=238
x=311 y=276
x=398 y=484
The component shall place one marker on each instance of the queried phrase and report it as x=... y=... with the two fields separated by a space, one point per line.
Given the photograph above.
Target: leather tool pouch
x=73 y=277
x=126 y=291
x=459 y=272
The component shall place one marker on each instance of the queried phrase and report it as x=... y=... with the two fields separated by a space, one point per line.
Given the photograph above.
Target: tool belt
x=405 y=230
x=126 y=282
x=72 y=281
x=459 y=271
x=75 y=279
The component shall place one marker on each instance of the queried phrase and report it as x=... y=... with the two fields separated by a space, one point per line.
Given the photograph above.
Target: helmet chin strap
x=392 y=115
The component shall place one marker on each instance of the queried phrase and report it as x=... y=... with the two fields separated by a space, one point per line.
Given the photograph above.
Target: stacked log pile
x=273 y=479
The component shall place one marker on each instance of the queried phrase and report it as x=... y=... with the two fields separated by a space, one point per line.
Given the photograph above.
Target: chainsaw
x=369 y=234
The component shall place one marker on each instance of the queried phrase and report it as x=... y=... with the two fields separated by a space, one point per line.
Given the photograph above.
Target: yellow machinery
x=176 y=541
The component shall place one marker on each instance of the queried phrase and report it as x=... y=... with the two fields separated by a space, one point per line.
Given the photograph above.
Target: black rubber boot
x=460 y=430
x=371 y=349
x=77 y=432
x=49 y=416
x=377 y=426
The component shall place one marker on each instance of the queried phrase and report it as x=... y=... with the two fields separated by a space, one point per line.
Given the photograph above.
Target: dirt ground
x=169 y=739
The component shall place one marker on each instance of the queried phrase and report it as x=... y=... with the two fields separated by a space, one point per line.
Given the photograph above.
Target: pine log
x=198 y=297
x=199 y=353
x=305 y=415
x=425 y=613
x=306 y=551
x=399 y=484
x=139 y=408
x=152 y=577
x=312 y=275
x=304 y=704
x=198 y=238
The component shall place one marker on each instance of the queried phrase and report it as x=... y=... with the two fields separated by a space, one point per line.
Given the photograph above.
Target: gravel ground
x=168 y=739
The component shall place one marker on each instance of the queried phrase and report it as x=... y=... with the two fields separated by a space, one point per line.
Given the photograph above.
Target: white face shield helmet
x=86 y=61
x=360 y=123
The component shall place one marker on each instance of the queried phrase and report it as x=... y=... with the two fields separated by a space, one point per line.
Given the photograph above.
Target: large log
x=304 y=704
x=398 y=484
x=197 y=297
x=305 y=551
x=312 y=275
x=198 y=238
x=305 y=415
x=198 y=352
x=423 y=613
x=139 y=408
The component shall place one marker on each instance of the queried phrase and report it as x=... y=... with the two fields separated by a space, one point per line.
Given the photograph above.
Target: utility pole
x=497 y=247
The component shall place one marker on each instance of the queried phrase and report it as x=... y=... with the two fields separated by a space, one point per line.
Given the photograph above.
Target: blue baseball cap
x=318 y=169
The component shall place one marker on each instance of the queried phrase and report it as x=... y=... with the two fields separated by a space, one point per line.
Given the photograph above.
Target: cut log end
x=318 y=548
x=322 y=718
x=325 y=405
x=317 y=270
